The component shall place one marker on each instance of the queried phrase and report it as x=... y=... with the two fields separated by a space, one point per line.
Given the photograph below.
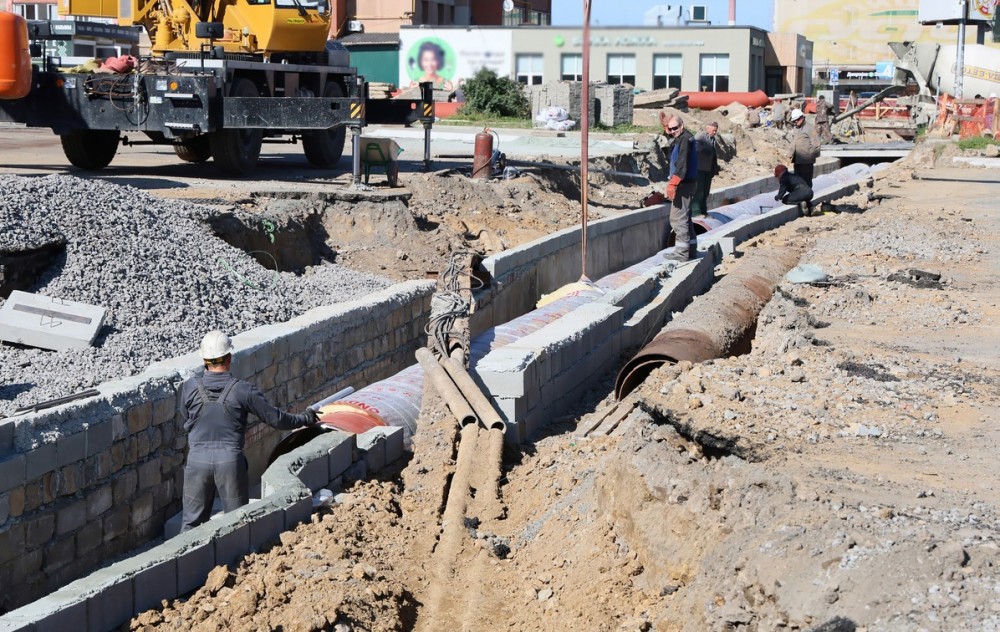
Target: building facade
x=388 y=16
x=78 y=45
x=692 y=59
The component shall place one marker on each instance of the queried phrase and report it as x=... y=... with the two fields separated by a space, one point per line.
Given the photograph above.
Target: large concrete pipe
x=716 y=324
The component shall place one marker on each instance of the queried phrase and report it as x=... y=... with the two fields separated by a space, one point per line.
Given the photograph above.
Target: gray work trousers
x=210 y=468
x=680 y=220
x=703 y=186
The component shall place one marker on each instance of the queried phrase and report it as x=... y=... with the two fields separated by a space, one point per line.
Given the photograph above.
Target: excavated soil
x=839 y=476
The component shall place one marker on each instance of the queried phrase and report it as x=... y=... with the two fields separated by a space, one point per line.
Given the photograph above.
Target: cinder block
x=61 y=611
x=298 y=512
x=193 y=567
x=232 y=541
x=99 y=437
x=111 y=605
x=265 y=528
x=315 y=473
x=394 y=446
x=12 y=472
x=40 y=461
x=152 y=585
x=371 y=444
x=48 y=322
x=341 y=456
x=512 y=408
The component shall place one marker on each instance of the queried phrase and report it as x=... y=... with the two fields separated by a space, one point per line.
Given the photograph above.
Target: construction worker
x=823 y=112
x=792 y=189
x=805 y=146
x=215 y=407
x=681 y=185
x=779 y=114
x=708 y=167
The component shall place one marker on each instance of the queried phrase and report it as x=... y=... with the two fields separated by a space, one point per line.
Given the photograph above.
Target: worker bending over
x=792 y=189
x=214 y=409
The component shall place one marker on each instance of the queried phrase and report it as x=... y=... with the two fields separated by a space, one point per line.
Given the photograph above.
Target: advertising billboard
x=447 y=57
x=846 y=32
x=950 y=11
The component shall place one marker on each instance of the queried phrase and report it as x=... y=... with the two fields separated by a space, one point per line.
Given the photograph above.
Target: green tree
x=487 y=93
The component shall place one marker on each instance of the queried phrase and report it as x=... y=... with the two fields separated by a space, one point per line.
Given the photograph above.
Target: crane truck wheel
x=197 y=149
x=89 y=149
x=324 y=147
x=235 y=151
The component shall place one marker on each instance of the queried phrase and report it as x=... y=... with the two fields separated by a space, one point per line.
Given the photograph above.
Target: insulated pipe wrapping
x=453 y=398
x=716 y=322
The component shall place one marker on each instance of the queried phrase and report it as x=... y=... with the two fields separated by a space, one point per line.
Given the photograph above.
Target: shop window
x=529 y=69
x=667 y=70
x=621 y=69
x=572 y=67
x=714 y=76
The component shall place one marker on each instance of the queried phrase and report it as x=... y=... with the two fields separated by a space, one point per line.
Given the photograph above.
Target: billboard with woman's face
x=447 y=57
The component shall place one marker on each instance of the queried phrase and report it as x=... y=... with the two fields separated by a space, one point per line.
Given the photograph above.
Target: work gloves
x=672 y=185
x=312 y=417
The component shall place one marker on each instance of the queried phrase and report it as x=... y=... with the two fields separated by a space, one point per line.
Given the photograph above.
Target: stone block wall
x=609 y=105
x=88 y=481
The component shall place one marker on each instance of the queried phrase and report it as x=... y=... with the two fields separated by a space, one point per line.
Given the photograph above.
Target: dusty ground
x=840 y=476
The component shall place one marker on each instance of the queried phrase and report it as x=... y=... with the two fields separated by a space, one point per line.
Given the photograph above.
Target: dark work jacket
x=230 y=430
x=789 y=183
x=684 y=158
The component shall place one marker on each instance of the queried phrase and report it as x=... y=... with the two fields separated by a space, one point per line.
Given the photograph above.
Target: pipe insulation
x=715 y=324
x=395 y=401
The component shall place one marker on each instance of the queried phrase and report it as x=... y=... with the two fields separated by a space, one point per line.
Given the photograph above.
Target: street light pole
x=584 y=140
x=960 y=53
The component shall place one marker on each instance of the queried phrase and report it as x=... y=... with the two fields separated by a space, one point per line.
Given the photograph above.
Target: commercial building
x=87 y=37
x=691 y=58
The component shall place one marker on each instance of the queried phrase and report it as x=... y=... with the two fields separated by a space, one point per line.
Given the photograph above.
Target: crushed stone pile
x=154 y=264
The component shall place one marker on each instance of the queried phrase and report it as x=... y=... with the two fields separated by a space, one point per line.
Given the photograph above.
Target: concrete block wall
x=89 y=481
x=111 y=596
x=609 y=105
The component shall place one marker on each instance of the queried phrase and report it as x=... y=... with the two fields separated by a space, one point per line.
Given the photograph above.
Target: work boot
x=675 y=256
x=805 y=208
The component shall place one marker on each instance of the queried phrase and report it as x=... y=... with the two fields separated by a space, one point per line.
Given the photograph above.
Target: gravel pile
x=154 y=264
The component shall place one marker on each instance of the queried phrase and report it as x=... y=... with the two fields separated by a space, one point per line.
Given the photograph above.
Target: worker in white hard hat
x=214 y=407
x=805 y=146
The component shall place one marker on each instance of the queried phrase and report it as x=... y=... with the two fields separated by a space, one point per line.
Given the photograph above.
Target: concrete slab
x=49 y=323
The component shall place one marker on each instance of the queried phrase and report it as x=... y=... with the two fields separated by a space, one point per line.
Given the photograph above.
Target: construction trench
x=532 y=368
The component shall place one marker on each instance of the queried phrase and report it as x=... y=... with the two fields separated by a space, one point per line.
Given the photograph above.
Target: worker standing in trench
x=215 y=408
x=681 y=186
x=708 y=167
x=805 y=146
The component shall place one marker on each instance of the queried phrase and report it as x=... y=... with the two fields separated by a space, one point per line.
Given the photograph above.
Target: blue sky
x=758 y=13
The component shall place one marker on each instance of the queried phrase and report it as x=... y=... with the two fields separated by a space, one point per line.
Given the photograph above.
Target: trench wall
x=521 y=275
x=86 y=482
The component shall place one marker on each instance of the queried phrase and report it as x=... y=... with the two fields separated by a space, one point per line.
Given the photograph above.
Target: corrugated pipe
x=395 y=401
x=718 y=324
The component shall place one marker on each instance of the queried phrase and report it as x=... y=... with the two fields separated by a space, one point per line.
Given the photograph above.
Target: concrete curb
x=113 y=595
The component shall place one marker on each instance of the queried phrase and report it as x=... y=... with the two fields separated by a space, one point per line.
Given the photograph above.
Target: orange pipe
x=712 y=100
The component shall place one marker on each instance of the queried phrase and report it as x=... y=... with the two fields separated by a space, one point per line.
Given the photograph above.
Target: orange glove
x=672 y=185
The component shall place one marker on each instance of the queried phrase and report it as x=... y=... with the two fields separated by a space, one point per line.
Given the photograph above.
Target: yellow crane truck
x=222 y=77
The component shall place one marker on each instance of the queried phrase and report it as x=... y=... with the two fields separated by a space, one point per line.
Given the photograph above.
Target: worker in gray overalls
x=214 y=407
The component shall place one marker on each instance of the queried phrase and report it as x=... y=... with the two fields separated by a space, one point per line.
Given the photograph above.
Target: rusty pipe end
x=670 y=347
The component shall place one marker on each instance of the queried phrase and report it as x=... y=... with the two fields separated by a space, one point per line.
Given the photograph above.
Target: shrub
x=487 y=93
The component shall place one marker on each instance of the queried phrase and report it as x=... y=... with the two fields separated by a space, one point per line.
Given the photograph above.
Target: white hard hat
x=215 y=345
x=993 y=95
x=795 y=115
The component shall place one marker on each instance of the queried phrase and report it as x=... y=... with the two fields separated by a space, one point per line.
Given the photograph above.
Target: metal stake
x=584 y=140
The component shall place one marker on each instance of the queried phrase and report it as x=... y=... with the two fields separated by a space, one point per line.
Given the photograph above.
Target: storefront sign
x=633 y=41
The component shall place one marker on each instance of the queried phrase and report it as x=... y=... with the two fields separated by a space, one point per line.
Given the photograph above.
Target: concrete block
x=109 y=602
x=371 y=445
x=266 y=527
x=298 y=512
x=99 y=437
x=511 y=408
x=394 y=446
x=340 y=452
x=231 y=536
x=153 y=584
x=508 y=371
x=314 y=473
x=49 y=323
x=193 y=566
x=12 y=472
x=61 y=611
x=40 y=461
x=71 y=517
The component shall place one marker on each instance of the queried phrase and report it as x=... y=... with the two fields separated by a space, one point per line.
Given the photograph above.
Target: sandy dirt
x=840 y=476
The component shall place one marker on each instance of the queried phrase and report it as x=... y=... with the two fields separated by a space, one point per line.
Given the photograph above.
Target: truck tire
x=197 y=149
x=235 y=151
x=91 y=150
x=324 y=147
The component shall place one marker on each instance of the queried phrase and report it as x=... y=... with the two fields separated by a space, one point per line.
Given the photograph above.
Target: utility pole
x=960 y=53
x=584 y=139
